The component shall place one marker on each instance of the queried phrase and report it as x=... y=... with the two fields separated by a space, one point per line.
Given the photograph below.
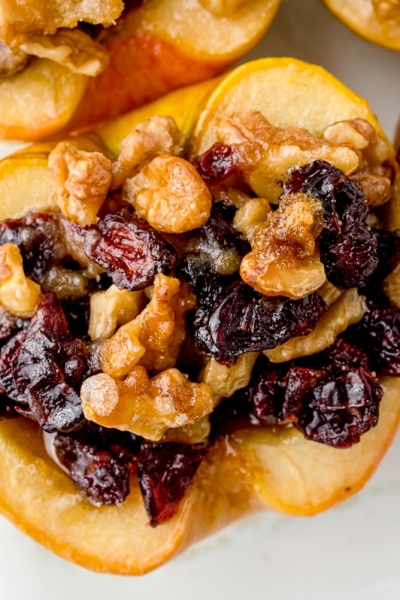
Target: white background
x=349 y=553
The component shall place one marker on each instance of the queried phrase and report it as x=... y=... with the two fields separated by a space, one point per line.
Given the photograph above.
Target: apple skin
x=247 y=471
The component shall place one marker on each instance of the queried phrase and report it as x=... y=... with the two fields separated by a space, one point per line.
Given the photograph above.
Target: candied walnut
x=82 y=180
x=170 y=195
x=284 y=260
x=223 y=8
x=110 y=309
x=159 y=329
x=348 y=247
x=20 y=18
x=42 y=367
x=12 y=60
x=39 y=239
x=66 y=283
x=347 y=310
x=155 y=136
x=73 y=49
x=145 y=406
x=237 y=319
x=165 y=472
x=131 y=251
x=332 y=409
x=225 y=381
x=267 y=152
x=19 y=295
x=251 y=216
x=197 y=432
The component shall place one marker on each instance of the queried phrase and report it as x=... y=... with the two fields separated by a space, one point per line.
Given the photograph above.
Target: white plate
x=349 y=553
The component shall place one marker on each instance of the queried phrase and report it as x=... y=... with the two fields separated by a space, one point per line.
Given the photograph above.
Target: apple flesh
x=362 y=17
x=251 y=469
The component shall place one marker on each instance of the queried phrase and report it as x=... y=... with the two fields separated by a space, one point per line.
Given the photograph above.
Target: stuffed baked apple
x=200 y=319
x=376 y=20
x=96 y=60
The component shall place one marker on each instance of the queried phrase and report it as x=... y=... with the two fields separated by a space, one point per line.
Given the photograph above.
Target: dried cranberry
x=379 y=333
x=348 y=246
x=340 y=356
x=42 y=367
x=217 y=164
x=131 y=251
x=38 y=239
x=332 y=410
x=77 y=313
x=99 y=462
x=219 y=230
x=165 y=472
x=242 y=320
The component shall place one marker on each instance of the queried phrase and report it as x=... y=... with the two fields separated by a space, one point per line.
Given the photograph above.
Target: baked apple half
x=375 y=20
x=198 y=320
x=81 y=63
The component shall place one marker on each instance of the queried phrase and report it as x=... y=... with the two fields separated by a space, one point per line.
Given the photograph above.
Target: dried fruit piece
x=379 y=333
x=348 y=247
x=130 y=250
x=42 y=368
x=165 y=472
x=241 y=320
x=218 y=163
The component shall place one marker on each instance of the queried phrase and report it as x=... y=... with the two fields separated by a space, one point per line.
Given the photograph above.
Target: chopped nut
x=231 y=196
x=267 y=152
x=12 y=60
x=145 y=406
x=170 y=195
x=377 y=190
x=224 y=381
x=329 y=293
x=355 y=132
x=82 y=180
x=223 y=8
x=21 y=18
x=197 y=432
x=112 y=308
x=19 y=295
x=251 y=216
x=391 y=286
x=155 y=136
x=72 y=48
x=65 y=283
x=159 y=329
x=285 y=260
x=349 y=309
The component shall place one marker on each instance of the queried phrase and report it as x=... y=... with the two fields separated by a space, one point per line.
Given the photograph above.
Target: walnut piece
x=112 y=308
x=72 y=48
x=155 y=336
x=12 y=61
x=371 y=174
x=223 y=8
x=349 y=309
x=21 y=18
x=225 y=381
x=145 y=406
x=170 y=195
x=266 y=152
x=82 y=181
x=251 y=216
x=284 y=260
x=19 y=295
x=155 y=136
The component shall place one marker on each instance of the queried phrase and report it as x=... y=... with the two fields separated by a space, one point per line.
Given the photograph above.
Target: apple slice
x=39 y=101
x=378 y=22
x=166 y=44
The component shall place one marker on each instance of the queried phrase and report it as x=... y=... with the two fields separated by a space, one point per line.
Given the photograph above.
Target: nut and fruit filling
x=163 y=302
